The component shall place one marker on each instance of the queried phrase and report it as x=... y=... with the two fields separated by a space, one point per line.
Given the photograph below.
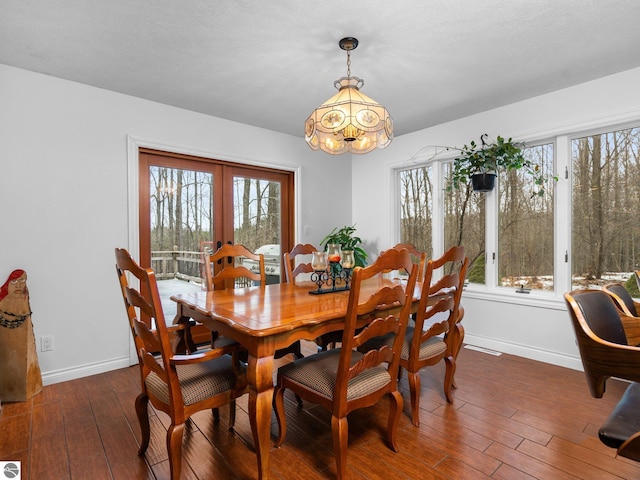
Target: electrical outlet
x=46 y=343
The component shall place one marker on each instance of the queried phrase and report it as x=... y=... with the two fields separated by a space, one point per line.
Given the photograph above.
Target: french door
x=189 y=206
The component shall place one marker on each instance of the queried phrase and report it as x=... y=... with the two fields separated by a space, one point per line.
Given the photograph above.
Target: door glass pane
x=181 y=221
x=257 y=221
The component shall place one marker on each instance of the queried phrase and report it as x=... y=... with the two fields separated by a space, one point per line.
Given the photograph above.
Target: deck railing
x=180 y=264
x=183 y=265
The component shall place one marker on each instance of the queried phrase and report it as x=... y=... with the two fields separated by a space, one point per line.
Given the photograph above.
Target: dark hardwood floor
x=511 y=419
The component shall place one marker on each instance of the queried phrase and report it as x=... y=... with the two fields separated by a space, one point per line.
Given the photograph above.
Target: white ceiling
x=270 y=63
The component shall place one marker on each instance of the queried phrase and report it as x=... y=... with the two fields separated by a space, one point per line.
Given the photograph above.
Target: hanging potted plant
x=348 y=242
x=480 y=164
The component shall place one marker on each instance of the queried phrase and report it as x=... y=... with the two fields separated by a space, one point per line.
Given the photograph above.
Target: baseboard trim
x=79 y=371
x=554 y=358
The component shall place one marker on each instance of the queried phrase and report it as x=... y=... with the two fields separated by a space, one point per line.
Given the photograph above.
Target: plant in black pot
x=480 y=163
x=348 y=241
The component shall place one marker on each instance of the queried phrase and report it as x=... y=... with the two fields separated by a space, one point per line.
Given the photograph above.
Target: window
x=464 y=224
x=515 y=238
x=525 y=225
x=416 y=205
x=605 y=207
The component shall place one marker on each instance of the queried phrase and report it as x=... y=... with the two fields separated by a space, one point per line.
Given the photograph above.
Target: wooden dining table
x=264 y=319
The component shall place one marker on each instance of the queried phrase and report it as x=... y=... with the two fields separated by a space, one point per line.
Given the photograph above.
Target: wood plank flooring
x=511 y=419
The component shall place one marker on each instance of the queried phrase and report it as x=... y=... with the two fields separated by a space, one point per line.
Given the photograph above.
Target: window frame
x=561 y=138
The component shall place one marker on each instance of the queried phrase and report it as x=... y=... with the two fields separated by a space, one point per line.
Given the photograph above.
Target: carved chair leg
x=142 y=403
x=232 y=414
x=457 y=338
x=278 y=406
x=414 y=391
x=395 y=410
x=450 y=364
x=340 y=433
x=174 y=448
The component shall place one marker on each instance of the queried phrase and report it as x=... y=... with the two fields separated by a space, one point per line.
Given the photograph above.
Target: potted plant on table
x=348 y=241
x=480 y=163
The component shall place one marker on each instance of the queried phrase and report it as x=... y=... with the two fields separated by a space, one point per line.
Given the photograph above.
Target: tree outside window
x=605 y=207
x=416 y=208
x=525 y=225
x=464 y=224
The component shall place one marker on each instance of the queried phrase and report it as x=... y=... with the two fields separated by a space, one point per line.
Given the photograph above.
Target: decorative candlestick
x=330 y=270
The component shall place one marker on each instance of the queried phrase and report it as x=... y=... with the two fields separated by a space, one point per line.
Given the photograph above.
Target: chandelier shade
x=350 y=121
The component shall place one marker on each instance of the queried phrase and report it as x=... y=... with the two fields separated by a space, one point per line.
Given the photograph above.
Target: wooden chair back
x=345 y=379
x=428 y=322
x=368 y=316
x=291 y=269
x=418 y=257
x=146 y=318
x=453 y=261
x=224 y=269
x=628 y=309
x=601 y=338
x=622 y=298
x=429 y=340
x=178 y=385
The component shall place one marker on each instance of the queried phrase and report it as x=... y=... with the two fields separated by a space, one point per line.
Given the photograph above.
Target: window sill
x=538 y=299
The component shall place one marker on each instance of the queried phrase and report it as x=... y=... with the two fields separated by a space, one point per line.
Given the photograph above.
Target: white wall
x=533 y=328
x=63 y=186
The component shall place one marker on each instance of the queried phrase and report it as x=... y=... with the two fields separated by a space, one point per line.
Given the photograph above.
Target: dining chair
x=178 y=385
x=622 y=298
x=330 y=340
x=292 y=267
x=629 y=307
x=342 y=379
x=602 y=340
x=425 y=342
x=454 y=260
x=605 y=352
x=418 y=257
x=224 y=270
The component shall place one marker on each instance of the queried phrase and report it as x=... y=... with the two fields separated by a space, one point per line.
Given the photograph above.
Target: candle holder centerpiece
x=332 y=269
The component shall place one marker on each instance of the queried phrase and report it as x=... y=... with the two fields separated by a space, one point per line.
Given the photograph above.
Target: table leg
x=260 y=377
x=183 y=342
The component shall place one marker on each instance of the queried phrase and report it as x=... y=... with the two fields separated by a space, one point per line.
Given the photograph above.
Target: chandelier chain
x=348 y=63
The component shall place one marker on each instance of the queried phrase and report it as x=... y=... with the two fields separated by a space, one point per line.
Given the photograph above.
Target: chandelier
x=349 y=121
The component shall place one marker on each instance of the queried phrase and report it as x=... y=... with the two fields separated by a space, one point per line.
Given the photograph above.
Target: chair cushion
x=318 y=372
x=624 y=421
x=433 y=347
x=198 y=381
x=601 y=315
